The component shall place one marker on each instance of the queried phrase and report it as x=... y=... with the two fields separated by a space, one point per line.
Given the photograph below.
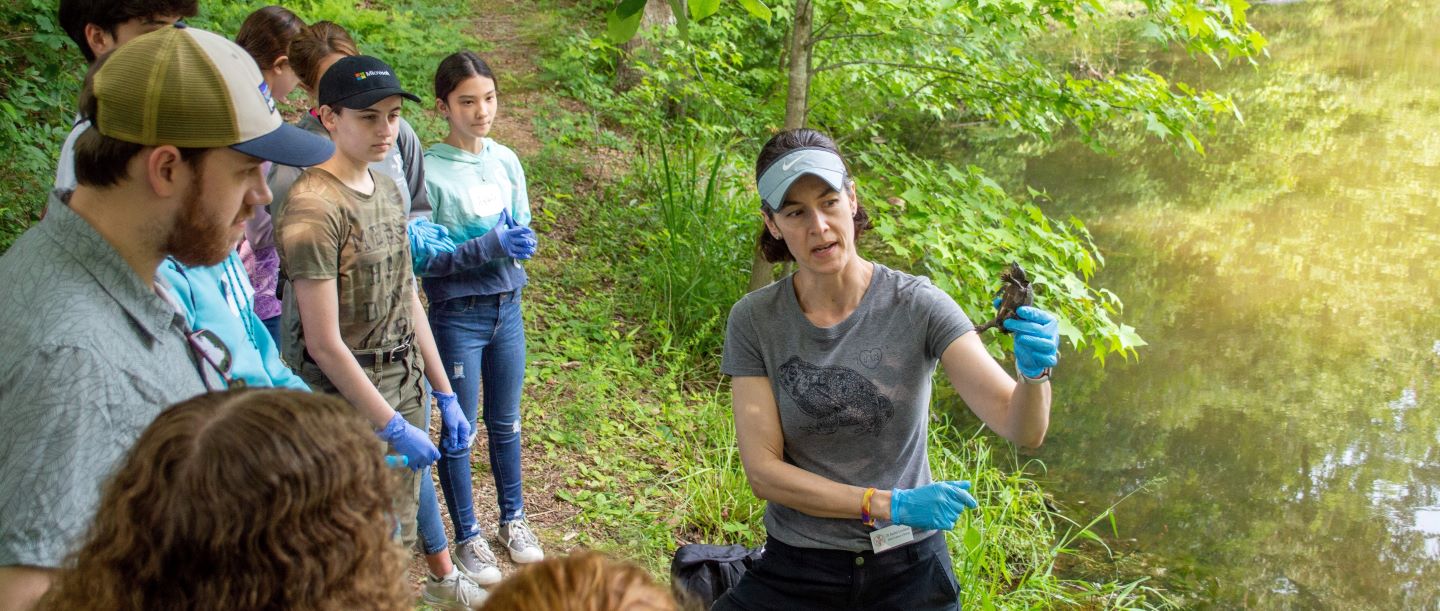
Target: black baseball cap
x=359 y=81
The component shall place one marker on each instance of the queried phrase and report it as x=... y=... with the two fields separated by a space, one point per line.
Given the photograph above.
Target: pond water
x=1278 y=439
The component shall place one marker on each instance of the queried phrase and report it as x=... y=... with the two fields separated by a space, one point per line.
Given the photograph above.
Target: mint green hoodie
x=468 y=192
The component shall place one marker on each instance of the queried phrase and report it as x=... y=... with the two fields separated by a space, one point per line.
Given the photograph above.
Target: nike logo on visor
x=790 y=164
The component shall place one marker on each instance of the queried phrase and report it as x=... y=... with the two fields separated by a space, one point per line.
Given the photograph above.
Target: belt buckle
x=396 y=353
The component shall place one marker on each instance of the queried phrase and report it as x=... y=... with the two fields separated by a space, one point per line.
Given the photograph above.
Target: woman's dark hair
x=267 y=32
x=317 y=42
x=772 y=248
x=244 y=499
x=102 y=161
x=456 y=68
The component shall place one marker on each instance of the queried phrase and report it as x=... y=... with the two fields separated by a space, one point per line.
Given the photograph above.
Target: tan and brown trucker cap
x=194 y=89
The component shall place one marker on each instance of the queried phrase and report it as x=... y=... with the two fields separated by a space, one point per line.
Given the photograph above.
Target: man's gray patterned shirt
x=89 y=355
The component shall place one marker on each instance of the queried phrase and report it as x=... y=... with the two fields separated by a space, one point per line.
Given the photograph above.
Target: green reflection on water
x=1282 y=415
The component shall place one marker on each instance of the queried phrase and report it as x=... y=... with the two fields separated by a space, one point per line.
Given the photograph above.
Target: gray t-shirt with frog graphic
x=854 y=399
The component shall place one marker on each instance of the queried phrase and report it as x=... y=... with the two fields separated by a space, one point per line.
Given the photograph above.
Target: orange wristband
x=865 y=517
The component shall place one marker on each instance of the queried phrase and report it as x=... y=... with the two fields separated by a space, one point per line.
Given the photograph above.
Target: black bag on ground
x=708 y=571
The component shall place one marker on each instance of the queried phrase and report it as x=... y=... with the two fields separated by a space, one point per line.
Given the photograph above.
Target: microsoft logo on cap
x=360 y=76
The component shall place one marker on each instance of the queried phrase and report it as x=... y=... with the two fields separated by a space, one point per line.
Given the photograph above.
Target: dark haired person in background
x=831 y=370
x=99 y=27
x=94 y=345
x=478 y=189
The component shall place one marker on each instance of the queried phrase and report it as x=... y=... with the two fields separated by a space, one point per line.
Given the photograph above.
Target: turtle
x=1014 y=292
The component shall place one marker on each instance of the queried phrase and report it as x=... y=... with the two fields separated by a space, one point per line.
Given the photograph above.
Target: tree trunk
x=761 y=271
x=657 y=15
x=795 y=101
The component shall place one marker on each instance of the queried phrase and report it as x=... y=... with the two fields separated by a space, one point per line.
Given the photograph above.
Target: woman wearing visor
x=831 y=370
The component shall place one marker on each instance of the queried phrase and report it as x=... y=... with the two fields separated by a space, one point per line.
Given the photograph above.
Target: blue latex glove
x=454 y=426
x=410 y=441
x=517 y=240
x=427 y=238
x=1037 y=340
x=933 y=507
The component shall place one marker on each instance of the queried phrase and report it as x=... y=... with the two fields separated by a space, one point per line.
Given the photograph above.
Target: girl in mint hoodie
x=477 y=188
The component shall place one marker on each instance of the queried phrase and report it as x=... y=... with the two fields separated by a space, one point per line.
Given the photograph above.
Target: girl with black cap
x=353 y=320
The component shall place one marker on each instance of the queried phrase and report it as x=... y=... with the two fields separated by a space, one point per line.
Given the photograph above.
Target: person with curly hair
x=244 y=499
x=583 y=580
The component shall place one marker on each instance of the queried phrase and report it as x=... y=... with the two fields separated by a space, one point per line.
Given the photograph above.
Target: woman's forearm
x=781 y=482
x=1029 y=414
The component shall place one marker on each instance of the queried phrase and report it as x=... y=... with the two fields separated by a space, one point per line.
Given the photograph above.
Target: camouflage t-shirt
x=328 y=230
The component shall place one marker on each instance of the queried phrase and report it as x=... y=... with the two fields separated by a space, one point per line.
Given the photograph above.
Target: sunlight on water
x=1283 y=417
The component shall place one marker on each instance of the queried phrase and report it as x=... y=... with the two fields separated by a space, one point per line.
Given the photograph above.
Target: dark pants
x=914 y=577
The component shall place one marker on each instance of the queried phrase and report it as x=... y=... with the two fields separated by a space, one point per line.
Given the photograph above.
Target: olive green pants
x=401 y=383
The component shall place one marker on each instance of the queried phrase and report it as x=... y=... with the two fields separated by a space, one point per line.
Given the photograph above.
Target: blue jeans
x=428 y=520
x=482 y=340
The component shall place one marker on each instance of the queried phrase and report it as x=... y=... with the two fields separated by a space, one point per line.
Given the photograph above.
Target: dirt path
x=509 y=30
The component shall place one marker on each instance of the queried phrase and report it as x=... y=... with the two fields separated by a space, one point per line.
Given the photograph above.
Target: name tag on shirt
x=484 y=199
x=891 y=536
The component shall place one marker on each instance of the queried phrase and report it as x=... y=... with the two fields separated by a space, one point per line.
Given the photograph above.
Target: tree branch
x=843 y=36
x=819 y=34
x=958 y=75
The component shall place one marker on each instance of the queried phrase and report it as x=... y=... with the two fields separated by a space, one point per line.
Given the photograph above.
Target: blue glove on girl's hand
x=427 y=238
x=518 y=241
x=933 y=507
x=410 y=441
x=454 y=426
x=1037 y=340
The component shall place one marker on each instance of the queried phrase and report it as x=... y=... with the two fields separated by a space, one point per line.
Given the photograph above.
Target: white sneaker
x=454 y=592
x=523 y=545
x=475 y=559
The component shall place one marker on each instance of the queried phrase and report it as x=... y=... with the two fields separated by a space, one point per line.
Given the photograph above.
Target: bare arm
x=23 y=586
x=1018 y=412
x=762 y=450
x=320 y=316
x=425 y=339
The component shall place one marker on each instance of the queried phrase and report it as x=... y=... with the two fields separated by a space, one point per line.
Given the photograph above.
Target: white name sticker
x=891 y=536
x=484 y=199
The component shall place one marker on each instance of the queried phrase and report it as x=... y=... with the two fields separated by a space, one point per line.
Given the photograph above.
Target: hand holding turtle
x=1037 y=341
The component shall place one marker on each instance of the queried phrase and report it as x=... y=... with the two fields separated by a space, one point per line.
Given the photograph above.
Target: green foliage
x=961 y=229
x=623 y=21
x=410 y=35
x=720 y=82
x=1005 y=552
x=42 y=71
x=982 y=64
x=702 y=223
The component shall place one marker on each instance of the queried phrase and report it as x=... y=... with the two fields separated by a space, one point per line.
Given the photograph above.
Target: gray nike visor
x=775 y=181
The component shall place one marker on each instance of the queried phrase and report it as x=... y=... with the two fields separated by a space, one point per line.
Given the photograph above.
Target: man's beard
x=194 y=240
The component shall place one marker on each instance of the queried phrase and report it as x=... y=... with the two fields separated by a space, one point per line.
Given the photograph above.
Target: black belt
x=370 y=357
